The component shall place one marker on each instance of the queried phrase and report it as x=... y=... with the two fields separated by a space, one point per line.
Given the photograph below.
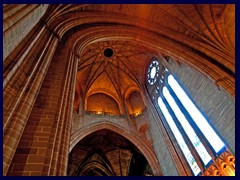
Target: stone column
x=44 y=145
x=131 y=120
x=81 y=106
x=18 y=21
x=62 y=128
x=23 y=86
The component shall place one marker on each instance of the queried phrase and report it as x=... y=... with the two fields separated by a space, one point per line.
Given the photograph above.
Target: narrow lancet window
x=196 y=115
x=206 y=158
x=188 y=155
x=186 y=122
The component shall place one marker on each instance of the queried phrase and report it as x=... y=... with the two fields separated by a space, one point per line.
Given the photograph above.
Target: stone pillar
x=44 y=145
x=18 y=21
x=62 y=129
x=131 y=120
x=23 y=86
x=81 y=106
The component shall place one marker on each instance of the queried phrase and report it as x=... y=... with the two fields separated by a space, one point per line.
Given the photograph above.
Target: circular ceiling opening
x=108 y=52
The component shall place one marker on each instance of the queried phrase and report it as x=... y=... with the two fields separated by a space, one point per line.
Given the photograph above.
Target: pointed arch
x=142 y=145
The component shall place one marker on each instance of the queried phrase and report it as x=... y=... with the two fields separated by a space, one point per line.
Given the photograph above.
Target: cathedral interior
x=118 y=90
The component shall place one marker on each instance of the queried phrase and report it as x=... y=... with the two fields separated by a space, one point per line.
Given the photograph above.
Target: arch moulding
x=153 y=43
x=142 y=145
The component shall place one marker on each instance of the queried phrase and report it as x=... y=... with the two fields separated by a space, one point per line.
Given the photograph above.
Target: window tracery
x=183 y=117
x=153 y=72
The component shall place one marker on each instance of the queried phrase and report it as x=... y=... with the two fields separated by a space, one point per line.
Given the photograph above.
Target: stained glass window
x=196 y=115
x=180 y=114
x=187 y=128
x=190 y=159
x=153 y=72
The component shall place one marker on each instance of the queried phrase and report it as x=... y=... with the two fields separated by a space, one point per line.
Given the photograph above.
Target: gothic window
x=153 y=72
x=187 y=124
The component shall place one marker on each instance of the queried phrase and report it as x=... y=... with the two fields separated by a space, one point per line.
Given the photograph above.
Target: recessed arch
x=130 y=90
x=135 y=103
x=101 y=103
x=143 y=146
x=107 y=151
x=107 y=92
x=103 y=91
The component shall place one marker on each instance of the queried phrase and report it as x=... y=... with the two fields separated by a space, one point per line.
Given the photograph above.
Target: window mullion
x=185 y=136
x=181 y=142
x=173 y=141
x=199 y=133
x=202 y=123
x=206 y=158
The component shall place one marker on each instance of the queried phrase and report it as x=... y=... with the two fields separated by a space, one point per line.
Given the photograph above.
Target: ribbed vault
x=95 y=57
x=196 y=34
x=114 y=43
x=106 y=153
x=113 y=75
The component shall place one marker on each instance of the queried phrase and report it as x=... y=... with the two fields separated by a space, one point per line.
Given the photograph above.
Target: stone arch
x=135 y=102
x=103 y=92
x=104 y=101
x=147 y=35
x=142 y=145
x=130 y=90
x=154 y=43
x=126 y=95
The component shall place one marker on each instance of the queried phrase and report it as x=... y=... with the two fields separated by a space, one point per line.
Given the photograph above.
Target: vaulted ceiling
x=105 y=153
x=114 y=73
x=115 y=42
x=113 y=45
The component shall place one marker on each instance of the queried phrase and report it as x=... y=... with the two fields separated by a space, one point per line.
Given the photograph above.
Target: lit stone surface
x=58 y=58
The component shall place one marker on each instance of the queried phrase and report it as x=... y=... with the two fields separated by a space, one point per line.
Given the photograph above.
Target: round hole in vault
x=108 y=52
